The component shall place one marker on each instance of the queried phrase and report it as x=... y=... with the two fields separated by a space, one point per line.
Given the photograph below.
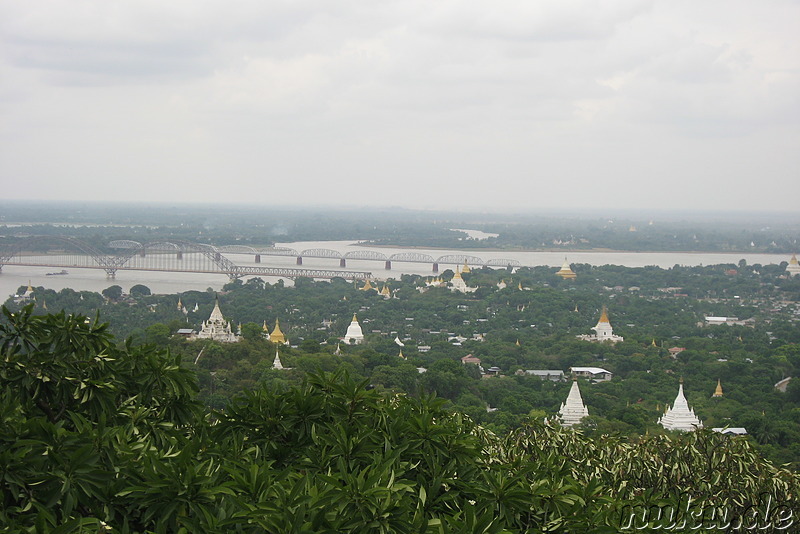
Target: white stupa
x=217 y=328
x=602 y=331
x=573 y=410
x=276 y=363
x=457 y=283
x=354 y=335
x=680 y=416
x=794 y=267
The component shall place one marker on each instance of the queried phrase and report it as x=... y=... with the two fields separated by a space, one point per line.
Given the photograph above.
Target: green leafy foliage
x=96 y=437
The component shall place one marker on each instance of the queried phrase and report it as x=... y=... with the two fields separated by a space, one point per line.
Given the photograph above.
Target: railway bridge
x=166 y=256
x=184 y=256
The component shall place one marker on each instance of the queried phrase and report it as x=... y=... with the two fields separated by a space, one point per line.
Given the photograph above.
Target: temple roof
x=216 y=313
x=680 y=416
x=604 y=316
x=573 y=410
x=276 y=363
x=354 y=332
x=277 y=336
x=566 y=271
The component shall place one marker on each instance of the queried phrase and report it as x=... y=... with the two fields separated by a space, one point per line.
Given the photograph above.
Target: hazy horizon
x=453 y=106
x=122 y=209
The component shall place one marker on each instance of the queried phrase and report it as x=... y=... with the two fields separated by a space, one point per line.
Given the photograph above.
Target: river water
x=12 y=277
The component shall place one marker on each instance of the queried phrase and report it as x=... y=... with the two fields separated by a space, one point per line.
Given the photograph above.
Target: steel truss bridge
x=183 y=256
x=167 y=256
x=365 y=255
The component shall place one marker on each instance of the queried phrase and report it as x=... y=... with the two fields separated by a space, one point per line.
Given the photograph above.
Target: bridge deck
x=238 y=271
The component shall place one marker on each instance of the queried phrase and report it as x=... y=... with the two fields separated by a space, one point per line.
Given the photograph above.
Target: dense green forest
x=531 y=323
x=102 y=436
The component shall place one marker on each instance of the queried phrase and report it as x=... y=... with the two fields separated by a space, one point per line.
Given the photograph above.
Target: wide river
x=12 y=277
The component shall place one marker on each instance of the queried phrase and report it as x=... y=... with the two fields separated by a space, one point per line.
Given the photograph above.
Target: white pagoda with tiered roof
x=457 y=283
x=573 y=410
x=603 y=331
x=680 y=416
x=217 y=328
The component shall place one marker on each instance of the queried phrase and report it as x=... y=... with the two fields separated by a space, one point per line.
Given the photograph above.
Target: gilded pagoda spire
x=604 y=316
x=566 y=271
x=277 y=336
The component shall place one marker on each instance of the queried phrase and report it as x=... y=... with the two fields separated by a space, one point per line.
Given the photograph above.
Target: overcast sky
x=436 y=104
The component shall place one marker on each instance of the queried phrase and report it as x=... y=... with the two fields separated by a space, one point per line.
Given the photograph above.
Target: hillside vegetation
x=100 y=436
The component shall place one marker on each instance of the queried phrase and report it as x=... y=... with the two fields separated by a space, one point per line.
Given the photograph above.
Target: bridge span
x=165 y=256
x=356 y=255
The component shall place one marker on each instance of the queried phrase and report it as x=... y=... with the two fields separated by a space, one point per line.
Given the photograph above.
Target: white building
x=573 y=410
x=794 y=267
x=354 y=335
x=217 y=328
x=554 y=375
x=276 y=363
x=680 y=416
x=458 y=284
x=602 y=331
x=735 y=430
x=25 y=295
x=598 y=374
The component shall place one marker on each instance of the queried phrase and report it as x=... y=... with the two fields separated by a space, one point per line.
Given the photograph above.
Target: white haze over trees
x=448 y=104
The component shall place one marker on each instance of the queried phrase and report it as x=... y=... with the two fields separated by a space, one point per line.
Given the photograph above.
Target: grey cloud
x=536 y=101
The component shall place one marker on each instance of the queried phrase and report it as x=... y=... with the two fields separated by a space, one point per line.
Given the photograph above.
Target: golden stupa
x=566 y=271
x=277 y=336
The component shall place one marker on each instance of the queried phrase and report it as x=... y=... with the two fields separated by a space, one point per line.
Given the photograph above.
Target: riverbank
x=514 y=250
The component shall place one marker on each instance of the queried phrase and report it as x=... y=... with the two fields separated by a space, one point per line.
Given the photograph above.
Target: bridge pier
x=388 y=265
x=179 y=255
x=299 y=260
x=142 y=253
x=258 y=258
x=342 y=262
x=435 y=267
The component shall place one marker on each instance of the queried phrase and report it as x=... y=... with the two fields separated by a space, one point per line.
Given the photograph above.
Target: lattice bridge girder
x=321 y=253
x=369 y=255
x=164 y=256
x=412 y=257
x=460 y=259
